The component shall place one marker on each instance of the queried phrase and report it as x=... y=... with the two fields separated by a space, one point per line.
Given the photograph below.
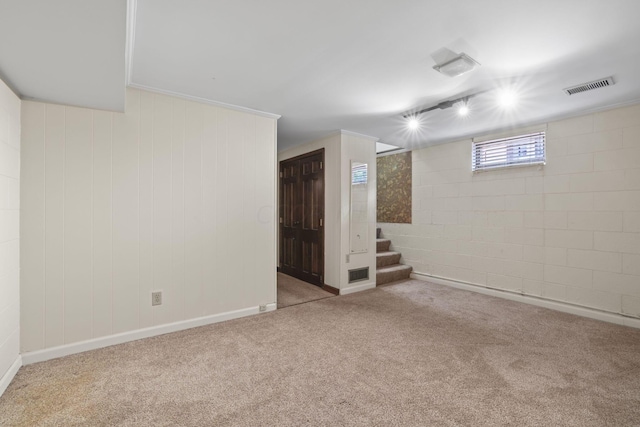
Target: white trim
x=10 y=374
x=564 y=307
x=96 y=343
x=276 y=219
x=357 y=135
x=357 y=288
x=392 y=152
x=132 y=8
x=204 y=101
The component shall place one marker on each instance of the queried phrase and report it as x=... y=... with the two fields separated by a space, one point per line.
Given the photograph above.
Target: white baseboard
x=93 y=344
x=357 y=288
x=8 y=376
x=578 y=310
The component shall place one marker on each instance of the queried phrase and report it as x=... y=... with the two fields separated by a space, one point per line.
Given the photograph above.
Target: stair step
x=392 y=273
x=387 y=258
x=382 y=245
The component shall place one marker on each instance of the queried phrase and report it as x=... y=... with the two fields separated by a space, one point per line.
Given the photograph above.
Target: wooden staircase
x=388 y=267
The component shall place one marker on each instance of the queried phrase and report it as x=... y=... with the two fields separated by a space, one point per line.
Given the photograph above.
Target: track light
x=444 y=105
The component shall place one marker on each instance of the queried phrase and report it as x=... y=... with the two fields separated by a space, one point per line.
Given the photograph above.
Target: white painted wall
x=172 y=195
x=332 y=224
x=568 y=231
x=359 y=149
x=9 y=232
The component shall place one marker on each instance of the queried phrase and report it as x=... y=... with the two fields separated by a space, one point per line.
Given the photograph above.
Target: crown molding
x=357 y=135
x=204 y=101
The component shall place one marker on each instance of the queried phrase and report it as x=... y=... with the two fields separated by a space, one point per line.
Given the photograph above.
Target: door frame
x=321 y=238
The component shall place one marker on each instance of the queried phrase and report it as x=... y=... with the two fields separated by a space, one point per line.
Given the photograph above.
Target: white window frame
x=521 y=150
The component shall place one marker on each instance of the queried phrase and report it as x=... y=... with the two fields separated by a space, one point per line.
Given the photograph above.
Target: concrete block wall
x=568 y=231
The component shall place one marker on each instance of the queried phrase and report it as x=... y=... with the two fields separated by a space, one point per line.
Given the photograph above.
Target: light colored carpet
x=407 y=354
x=292 y=291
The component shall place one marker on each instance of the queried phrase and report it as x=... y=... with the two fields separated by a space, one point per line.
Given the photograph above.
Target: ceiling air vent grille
x=596 y=84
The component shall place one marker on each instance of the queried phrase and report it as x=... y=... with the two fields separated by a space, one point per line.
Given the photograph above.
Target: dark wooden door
x=302 y=217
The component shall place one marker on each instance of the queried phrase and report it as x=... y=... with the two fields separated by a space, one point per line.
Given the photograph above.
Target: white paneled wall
x=173 y=195
x=9 y=229
x=568 y=231
x=360 y=149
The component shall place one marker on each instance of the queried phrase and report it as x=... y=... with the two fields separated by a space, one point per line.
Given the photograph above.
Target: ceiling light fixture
x=413 y=123
x=463 y=101
x=463 y=109
x=457 y=66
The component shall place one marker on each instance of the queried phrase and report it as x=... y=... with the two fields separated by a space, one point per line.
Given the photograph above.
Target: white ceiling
x=357 y=65
x=65 y=51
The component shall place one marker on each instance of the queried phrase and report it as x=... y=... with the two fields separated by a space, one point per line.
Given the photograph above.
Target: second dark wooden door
x=302 y=217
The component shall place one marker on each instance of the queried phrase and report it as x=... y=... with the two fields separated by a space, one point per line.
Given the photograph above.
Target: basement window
x=522 y=150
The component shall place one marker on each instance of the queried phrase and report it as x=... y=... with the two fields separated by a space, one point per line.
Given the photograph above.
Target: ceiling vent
x=457 y=66
x=596 y=84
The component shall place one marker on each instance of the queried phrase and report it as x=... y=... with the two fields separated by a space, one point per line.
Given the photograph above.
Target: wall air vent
x=358 y=274
x=596 y=84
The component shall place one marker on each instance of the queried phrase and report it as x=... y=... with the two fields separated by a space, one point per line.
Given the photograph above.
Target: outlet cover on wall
x=156 y=298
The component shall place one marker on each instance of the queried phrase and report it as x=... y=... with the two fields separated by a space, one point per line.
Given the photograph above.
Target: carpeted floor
x=292 y=291
x=409 y=354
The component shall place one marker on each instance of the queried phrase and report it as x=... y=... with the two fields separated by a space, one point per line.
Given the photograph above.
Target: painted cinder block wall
x=568 y=231
x=172 y=195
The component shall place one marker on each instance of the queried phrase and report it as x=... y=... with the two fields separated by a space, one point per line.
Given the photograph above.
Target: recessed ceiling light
x=457 y=66
x=463 y=110
x=413 y=123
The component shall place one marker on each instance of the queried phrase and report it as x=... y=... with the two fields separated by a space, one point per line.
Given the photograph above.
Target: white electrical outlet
x=156 y=298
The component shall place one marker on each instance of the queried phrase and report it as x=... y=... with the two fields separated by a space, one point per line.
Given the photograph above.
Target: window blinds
x=506 y=152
